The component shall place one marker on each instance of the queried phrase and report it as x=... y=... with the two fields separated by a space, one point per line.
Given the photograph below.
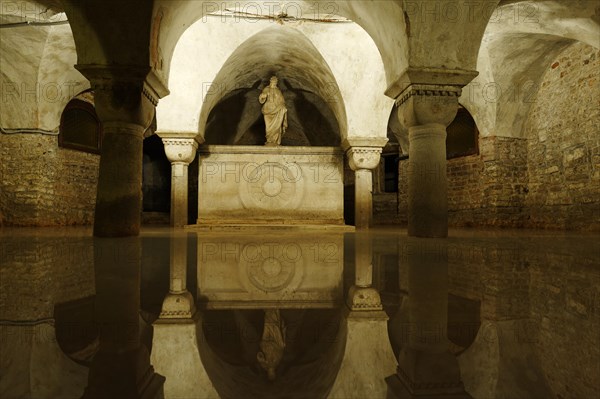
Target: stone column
x=427 y=101
x=363 y=156
x=181 y=151
x=125 y=99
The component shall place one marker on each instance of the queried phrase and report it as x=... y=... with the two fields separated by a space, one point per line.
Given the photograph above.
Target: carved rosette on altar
x=273 y=186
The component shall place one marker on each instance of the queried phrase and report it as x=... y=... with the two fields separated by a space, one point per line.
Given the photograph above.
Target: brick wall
x=564 y=144
x=44 y=185
x=483 y=190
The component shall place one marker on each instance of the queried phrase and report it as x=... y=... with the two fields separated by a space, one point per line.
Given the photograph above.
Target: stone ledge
x=256 y=149
x=271 y=227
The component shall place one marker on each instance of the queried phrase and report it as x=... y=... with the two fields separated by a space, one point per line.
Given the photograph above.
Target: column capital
x=429 y=95
x=105 y=77
x=364 y=299
x=363 y=157
x=124 y=93
x=178 y=306
x=180 y=148
x=426 y=76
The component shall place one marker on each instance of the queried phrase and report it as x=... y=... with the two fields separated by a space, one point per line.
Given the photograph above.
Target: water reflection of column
x=398 y=324
x=425 y=365
x=121 y=368
x=179 y=303
x=175 y=352
x=362 y=295
x=368 y=355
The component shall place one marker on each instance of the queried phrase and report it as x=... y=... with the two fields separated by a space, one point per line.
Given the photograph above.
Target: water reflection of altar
x=270 y=271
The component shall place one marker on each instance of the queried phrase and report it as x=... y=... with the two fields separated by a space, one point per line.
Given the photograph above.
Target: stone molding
x=254 y=149
x=428 y=91
x=349 y=142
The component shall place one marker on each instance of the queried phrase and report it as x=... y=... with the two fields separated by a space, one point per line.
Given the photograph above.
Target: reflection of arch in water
x=229 y=341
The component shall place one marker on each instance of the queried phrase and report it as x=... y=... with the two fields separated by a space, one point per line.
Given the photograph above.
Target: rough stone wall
x=564 y=144
x=42 y=184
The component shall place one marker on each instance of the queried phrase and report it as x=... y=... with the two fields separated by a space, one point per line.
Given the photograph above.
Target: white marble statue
x=274 y=111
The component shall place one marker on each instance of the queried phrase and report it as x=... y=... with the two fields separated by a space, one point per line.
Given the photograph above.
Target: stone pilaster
x=181 y=151
x=363 y=156
x=125 y=99
x=427 y=101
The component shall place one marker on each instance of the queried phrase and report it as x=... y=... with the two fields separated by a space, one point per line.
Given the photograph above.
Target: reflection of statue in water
x=272 y=343
x=274 y=111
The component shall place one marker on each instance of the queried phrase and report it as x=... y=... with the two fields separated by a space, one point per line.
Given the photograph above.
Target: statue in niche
x=272 y=343
x=275 y=112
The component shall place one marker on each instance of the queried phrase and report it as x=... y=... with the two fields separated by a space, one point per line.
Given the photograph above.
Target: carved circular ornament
x=272 y=186
x=272 y=266
x=271 y=274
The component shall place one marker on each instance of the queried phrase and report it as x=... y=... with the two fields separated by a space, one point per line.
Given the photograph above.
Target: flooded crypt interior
x=298 y=315
x=300 y=199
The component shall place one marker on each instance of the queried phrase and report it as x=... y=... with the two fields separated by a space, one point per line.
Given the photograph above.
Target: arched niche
x=231 y=112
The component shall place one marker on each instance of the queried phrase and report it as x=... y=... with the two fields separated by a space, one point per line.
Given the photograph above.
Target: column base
x=363 y=299
x=178 y=306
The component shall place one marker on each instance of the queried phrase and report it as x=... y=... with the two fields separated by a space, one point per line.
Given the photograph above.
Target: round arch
x=384 y=23
x=348 y=71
